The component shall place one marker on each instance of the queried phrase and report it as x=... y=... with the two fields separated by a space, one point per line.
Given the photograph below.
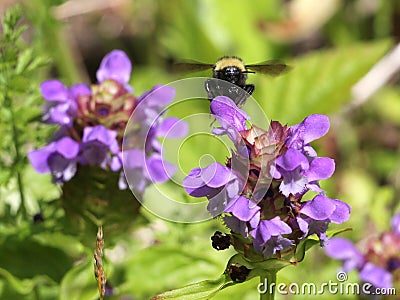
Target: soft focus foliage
x=43 y=254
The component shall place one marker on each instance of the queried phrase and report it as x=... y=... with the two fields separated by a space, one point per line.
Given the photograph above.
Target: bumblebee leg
x=249 y=88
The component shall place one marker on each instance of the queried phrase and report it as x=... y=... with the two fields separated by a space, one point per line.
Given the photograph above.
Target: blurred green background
x=330 y=44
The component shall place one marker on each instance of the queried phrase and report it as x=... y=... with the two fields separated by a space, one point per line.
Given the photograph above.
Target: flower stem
x=268 y=282
x=17 y=158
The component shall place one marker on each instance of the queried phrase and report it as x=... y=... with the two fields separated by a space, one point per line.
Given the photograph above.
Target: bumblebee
x=232 y=70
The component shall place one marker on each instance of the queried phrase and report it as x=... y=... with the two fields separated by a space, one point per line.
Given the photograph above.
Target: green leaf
x=200 y=290
x=23 y=286
x=26 y=258
x=319 y=82
x=79 y=283
x=169 y=267
x=272 y=265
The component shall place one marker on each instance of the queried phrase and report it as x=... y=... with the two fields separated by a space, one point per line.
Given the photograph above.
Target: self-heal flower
x=268 y=229
x=98 y=144
x=310 y=129
x=231 y=118
x=61 y=102
x=244 y=214
x=216 y=182
x=94 y=119
x=319 y=212
x=58 y=158
x=117 y=66
x=143 y=170
x=300 y=168
x=276 y=167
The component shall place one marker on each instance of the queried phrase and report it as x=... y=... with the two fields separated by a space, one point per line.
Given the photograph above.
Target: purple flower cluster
x=92 y=122
x=378 y=263
x=259 y=192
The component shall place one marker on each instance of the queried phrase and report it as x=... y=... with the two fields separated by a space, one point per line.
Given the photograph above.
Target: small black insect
x=231 y=69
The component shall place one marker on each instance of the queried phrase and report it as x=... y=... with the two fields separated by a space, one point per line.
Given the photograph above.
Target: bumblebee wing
x=273 y=68
x=190 y=66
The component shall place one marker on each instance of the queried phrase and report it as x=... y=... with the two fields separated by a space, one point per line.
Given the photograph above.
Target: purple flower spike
x=57 y=158
x=375 y=275
x=115 y=65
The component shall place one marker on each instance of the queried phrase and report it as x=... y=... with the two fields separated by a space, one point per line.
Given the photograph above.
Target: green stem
x=267 y=284
x=17 y=158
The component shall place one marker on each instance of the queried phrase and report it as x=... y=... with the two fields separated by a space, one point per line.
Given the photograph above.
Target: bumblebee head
x=231 y=69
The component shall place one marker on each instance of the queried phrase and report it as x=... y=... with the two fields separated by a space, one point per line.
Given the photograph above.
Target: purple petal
x=291 y=160
x=115 y=65
x=275 y=244
x=303 y=225
x=243 y=209
x=268 y=228
x=375 y=275
x=227 y=112
x=320 y=168
x=79 y=89
x=319 y=208
x=277 y=227
x=38 y=159
x=343 y=249
x=193 y=180
x=216 y=175
x=69 y=171
x=99 y=133
x=158 y=169
x=57 y=114
x=173 y=128
x=54 y=90
x=67 y=147
x=133 y=158
x=341 y=213
x=115 y=163
x=159 y=96
x=315 y=126
x=293 y=183
x=236 y=225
